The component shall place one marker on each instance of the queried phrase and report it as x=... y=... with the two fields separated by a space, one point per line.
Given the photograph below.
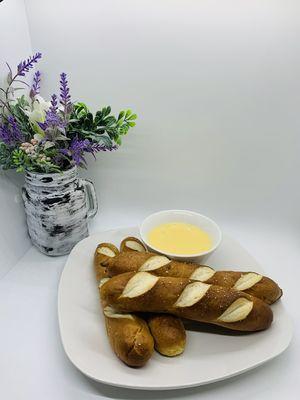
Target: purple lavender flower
x=53 y=108
x=79 y=147
x=36 y=86
x=5 y=134
x=59 y=159
x=65 y=152
x=52 y=120
x=65 y=98
x=10 y=133
x=26 y=65
x=15 y=130
x=96 y=147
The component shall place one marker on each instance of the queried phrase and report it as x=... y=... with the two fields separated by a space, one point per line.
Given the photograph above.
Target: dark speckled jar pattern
x=57 y=208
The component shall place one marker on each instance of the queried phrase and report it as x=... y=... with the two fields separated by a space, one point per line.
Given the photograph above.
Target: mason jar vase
x=58 y=207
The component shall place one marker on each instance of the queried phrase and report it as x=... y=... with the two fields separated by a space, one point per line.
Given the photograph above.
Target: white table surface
x=33 y=364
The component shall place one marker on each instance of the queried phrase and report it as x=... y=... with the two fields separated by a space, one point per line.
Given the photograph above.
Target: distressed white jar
x=57 y=208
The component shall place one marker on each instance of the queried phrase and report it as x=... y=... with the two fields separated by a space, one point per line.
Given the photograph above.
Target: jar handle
x=91 y=196
x=23 y=192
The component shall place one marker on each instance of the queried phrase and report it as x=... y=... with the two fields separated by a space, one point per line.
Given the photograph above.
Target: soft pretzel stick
x=198 y=301
x=167 y=330
x=129 y=335
x=168 y=333
x=132 y=243
x=249 y=282
x=103 y=253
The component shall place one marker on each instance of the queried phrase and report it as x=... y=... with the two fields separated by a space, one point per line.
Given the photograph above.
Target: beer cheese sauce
x=179 y=238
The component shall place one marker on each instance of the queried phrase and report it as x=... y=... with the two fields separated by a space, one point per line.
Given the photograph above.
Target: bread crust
x=163 y=295
x=167 y=330
x=127 y=245
x=101 y=260
x=130 y=338
x=266 y=289
x=168 y=333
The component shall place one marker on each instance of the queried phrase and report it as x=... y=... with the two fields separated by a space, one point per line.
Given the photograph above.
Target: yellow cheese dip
x=179 y=238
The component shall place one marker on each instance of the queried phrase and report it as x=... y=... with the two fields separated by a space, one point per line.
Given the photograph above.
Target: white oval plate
x=209 y=356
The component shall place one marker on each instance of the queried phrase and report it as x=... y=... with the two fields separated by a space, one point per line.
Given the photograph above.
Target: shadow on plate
x=210 y=328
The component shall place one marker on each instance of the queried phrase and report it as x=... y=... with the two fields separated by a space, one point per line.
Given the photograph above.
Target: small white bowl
x=185 y=216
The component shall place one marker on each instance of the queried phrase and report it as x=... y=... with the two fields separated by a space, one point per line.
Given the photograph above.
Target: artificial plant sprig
x=65 y=98
x=22 y=68
x=87 y=126
x=36 y=85
x=52 y=136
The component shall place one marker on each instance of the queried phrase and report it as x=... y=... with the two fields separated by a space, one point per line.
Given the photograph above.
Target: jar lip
x=51 y=179
x=69 y=170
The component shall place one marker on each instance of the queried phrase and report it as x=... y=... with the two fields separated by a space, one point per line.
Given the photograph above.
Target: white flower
x=38 y=110
x=48 y=144
x=38 y=137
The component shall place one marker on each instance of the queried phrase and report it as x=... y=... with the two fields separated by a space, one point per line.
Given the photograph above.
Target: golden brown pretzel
x=168 y=333
x=128 y=334
x=129 y=337
x=167 y=330
x=249 y=282
x=198 y=301
x=132 y=243
x=102 y=255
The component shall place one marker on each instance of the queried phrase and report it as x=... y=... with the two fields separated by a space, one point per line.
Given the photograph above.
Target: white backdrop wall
x=216 y=87
x=15 y=45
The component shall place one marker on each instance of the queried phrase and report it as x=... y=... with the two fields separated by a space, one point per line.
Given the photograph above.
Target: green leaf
x=109 y=121
x=80 y=110
x=132 y=117
x=81 y=106
x=128 y=112
x=132 y=124
x=99 y=129
x=105 y=140
x=9 y=78
x=121 y=115
x=98 y=117
x=112 y=133
x=124 y=129
x=106 y=111
x=49 y=144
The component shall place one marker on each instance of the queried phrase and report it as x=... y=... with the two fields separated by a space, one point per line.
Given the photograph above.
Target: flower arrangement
x=52 y=136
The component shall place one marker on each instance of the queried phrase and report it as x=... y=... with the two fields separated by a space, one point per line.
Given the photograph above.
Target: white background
x=14 y=44
x=217 y=90
x=216 y=87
